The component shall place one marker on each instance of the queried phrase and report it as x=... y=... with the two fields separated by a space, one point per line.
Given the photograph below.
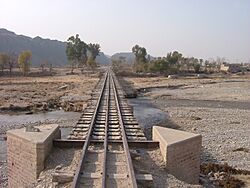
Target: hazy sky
x=200 y=28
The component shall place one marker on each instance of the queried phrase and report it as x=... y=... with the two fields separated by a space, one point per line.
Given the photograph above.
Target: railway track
x=107 y=119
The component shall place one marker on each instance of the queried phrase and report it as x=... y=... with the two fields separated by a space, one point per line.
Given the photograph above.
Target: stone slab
x=181 y=152
x=46 y=131
x=27 y=152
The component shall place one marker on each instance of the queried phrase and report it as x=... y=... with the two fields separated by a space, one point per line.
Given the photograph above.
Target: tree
x=24 y=61
x=82 y=57
x=196 y=66
x=76 y=51
x=94 y=49
x=140 y=53
x=174 y=57
x=160 y=65
x=43 y=65
x=70 y=52
x=4 y=59
x=91 y=63
x=201 y=61
x=140 y=58
x=12 y=62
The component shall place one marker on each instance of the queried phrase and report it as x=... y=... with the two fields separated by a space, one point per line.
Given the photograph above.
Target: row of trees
x=80 y=54
x=10 y=61
x=173 y=63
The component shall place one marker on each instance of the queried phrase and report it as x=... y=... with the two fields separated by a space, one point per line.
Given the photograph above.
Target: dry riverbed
x=40 y=100
x=218 y=109
x=36 y=94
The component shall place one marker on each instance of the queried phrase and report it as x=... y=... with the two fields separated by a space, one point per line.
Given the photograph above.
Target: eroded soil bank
x=38 y=94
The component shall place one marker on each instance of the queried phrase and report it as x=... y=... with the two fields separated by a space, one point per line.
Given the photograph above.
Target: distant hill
x=52 y=51
x=129 y=57
x=103 y=59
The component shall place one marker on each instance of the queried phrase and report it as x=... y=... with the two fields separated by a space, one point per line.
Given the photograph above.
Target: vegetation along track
x=106 y=125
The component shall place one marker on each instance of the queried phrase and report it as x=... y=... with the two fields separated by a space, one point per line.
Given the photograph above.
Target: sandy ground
x=41 y=100
x=218 y=109
x=224 y=89
x=35 y=94
x=60 y=160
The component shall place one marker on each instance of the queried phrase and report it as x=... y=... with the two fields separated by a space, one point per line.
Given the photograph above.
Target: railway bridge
x=105 y=132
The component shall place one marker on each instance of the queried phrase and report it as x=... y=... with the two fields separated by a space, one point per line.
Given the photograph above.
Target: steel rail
x=104 y=169
x=77 y=175
x=131 y=172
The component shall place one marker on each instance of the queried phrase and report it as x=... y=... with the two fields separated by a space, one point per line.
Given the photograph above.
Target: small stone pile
x=221 y=175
